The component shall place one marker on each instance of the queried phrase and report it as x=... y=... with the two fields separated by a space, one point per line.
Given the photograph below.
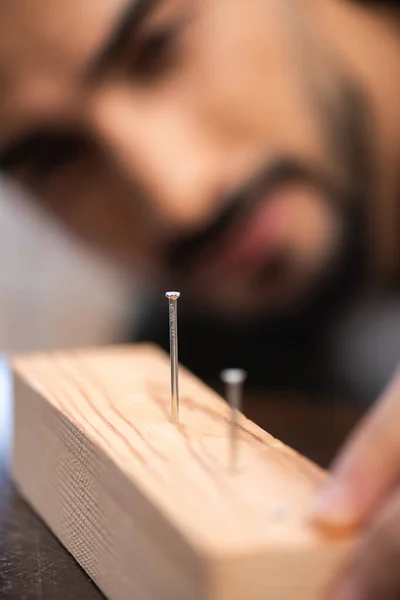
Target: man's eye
x=37 y=158
x=154 y=54
x=53 y=156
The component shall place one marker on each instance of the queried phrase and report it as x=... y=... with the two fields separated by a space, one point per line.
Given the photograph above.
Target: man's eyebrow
x=127 y=26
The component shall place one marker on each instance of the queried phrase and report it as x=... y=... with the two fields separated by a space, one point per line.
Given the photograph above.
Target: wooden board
x=150 y=510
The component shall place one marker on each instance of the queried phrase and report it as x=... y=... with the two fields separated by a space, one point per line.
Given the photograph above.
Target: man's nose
x=157 y=146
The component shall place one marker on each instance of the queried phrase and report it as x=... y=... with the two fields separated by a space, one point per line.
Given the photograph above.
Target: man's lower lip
x=247 y=246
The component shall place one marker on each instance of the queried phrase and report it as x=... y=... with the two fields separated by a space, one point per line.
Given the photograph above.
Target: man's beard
x=344 y=122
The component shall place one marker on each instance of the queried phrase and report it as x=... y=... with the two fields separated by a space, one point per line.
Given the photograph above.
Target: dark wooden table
x=34 y=565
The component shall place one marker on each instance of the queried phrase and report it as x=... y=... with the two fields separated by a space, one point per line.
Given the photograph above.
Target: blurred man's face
x=222 y=143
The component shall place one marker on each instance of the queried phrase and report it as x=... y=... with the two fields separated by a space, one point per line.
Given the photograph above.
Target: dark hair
x=378 y=2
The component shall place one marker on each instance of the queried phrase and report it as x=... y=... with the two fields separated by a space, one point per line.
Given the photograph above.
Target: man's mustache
x=240 y=203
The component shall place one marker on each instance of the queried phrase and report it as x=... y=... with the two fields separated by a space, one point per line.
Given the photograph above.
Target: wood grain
x=151 y=510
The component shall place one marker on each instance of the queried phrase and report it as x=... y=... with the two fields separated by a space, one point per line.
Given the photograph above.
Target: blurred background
x=54 y=292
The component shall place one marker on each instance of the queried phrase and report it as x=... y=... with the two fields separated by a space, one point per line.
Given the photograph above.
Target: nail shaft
x=233 y=379
x=173 y=340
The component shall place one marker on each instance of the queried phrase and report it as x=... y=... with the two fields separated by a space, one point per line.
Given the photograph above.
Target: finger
x=367 y=467
x=374 y=571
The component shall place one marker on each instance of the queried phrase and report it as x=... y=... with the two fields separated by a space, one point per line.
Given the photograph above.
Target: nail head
x=172 y=295
x=233 y=376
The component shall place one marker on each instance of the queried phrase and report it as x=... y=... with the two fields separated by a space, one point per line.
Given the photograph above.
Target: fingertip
x=334 y=509
x=347 y=590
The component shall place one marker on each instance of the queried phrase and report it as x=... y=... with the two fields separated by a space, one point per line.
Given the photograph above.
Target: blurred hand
x=364 y=491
